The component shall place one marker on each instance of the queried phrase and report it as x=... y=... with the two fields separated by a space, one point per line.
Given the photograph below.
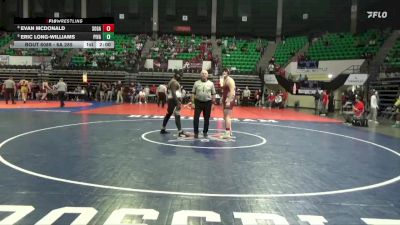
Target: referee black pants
x=204 y=107
x=9 y=93
x=61 y=96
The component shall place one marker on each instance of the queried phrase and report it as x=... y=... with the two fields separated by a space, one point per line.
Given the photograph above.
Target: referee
x=61 y=88
x=203 y=93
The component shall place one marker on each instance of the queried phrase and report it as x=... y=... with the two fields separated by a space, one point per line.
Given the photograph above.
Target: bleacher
x=393 y=58
x=237 y=60
x=338 y=46
x=5 y=40
x=288 y=48
x=388 y=89
x=190 y=48
x=125 y=47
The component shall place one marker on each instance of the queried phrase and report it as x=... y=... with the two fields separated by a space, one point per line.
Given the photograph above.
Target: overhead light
x=330 y=76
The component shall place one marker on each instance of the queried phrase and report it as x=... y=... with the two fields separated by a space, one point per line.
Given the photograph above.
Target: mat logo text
x=86 y=214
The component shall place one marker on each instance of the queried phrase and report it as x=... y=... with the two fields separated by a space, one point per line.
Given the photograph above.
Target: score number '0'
x=108 y=27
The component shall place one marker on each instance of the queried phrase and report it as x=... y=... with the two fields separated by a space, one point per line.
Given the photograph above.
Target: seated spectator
x=141 y=97
x=357 y=113
x=278 y=100
x=271 y=99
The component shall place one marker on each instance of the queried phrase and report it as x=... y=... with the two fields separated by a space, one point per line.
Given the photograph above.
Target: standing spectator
x=271 y=68
x=146 y=91
x=183 y=95
x=317 y=98
x=10 y=89
x=374 y=108
x=61 y=88
x=246 y=95
x=285 y=96
x=238 y=96
x=32 y=87
x=119 y=88
x=110 y=92
x=257 y=96
x=204 y=96
x=161 y=95
x=397 y=106
x=325 y=102
x=45 y=90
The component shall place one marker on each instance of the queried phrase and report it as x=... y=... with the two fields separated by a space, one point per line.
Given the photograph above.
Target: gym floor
x=281 y=167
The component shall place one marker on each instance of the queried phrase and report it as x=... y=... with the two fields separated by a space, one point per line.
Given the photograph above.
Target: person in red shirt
x=153 y=89
x=325 y=102
x=271 y=99
x=285 y=98
x=358 y=111
x=358 y=108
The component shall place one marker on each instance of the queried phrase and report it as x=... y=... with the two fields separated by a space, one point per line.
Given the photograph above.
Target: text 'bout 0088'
x=64 y=44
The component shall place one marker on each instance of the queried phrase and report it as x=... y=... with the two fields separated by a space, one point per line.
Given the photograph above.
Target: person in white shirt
x=141 y=97
x=374 y=108
x=146 y=94
x=246 y=95
x=161 y=95
x=61 y=88
x=203 y=94
x=9 y=89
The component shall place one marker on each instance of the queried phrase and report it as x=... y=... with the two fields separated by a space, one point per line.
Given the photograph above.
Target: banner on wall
x=192 y=65
x=20 y=60
x=356 y=79
x=149 y=64
x=206 y=65
x=175 y=64
x=4 y=60
x=38 y=60
x=334 y=67
x=270 y=79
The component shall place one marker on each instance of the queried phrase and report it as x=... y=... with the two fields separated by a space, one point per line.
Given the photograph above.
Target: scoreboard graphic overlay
x=96 y=33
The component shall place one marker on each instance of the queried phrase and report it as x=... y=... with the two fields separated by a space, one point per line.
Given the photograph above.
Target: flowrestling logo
x=377 y=14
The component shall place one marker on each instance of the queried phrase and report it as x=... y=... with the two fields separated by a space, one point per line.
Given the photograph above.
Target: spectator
x=397 y=106
x=358 y=111
x=146 y=91
x=61 y=88
x=325 y=102
x=271 y=99
x=257 y=95
x=246 y=95
x=271 y=68
x=161 y=95
x=374 y=108
x=317 y=98
x=119 y=88
x=153 y=89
